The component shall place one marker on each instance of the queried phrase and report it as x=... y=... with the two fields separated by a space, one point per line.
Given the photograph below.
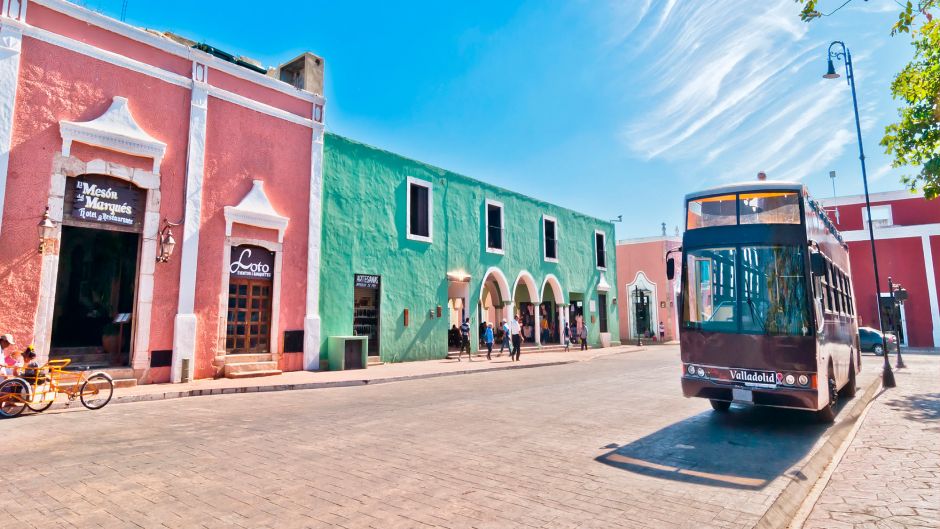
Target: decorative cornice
x=256 y=210
x=116 y=130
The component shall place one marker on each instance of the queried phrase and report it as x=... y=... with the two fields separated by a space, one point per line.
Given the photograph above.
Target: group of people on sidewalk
x=512 y=338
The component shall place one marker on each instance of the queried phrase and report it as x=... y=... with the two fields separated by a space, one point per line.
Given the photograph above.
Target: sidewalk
x=377 y=374
x=890 y=474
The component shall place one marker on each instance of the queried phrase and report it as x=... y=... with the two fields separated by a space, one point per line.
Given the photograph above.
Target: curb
x=788 y=503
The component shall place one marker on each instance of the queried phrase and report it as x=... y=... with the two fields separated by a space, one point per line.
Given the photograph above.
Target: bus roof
x=741 y=187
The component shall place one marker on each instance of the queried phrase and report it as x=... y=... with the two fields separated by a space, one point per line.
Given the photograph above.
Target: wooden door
x=248 y=328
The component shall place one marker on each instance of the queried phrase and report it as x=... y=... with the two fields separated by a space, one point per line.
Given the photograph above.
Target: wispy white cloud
x=734 y=90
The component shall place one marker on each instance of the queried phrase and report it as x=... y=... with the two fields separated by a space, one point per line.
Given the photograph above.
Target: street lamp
x=887 y=376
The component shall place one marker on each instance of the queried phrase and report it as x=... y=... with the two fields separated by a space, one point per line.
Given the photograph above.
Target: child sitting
x=32 y=373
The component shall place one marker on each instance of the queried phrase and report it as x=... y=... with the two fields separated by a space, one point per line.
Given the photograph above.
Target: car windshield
x=748 y=289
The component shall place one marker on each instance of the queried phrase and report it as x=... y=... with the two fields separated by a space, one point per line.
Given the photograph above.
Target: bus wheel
x=848 y=391
x=828 y=414
x=720 y=405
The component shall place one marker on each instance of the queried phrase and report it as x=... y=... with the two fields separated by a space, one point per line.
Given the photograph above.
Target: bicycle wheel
x=40 y=407
x=14 y=394
x=96 y=391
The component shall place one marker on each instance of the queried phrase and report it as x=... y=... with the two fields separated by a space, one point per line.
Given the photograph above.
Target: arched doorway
x=642 y=309
x=551 y=311
x=525 y=297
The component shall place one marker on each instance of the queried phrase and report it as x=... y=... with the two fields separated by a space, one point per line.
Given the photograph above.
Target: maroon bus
x=767 y=308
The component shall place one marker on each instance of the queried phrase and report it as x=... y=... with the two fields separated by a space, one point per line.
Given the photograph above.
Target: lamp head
x=831 y=72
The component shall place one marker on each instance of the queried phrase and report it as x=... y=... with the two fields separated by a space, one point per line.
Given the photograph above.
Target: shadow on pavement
x=745 y=448
x=919 y=408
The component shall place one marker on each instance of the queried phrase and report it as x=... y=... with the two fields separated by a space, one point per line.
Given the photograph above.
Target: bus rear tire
x=827 y=415
x=720 y=405
x=848 y=391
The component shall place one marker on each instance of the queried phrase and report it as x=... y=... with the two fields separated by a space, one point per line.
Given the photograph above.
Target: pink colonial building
x=644 y=295
x=907 y=240
x=160 y=199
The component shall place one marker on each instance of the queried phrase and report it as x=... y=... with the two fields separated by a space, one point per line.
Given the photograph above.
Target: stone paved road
x=606 y=443
x=890 y=474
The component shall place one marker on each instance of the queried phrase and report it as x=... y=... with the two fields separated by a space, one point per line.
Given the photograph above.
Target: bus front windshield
x=746 y=289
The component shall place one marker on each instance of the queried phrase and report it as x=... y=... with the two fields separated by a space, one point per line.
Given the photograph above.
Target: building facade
x=907 y=241
x=121 y=145
x=410 y=250
x=645 y=296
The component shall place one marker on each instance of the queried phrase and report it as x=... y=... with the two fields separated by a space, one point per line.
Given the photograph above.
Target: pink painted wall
x=648 y=257
x=260 y=93
x=243 y=145
x=907 y=212
x=56 y=84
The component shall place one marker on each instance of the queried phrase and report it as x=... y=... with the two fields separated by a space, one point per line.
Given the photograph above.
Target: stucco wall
x=241 y=146
x=648 y=258
x=364 y=231
x=54 y=85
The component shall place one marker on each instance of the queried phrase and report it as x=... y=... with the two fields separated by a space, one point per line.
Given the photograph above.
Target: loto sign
x=251 y=262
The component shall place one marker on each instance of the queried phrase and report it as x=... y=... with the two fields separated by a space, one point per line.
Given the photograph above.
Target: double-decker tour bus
x=767 y=307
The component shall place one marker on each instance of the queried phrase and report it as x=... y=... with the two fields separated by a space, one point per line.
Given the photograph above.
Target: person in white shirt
x=515 y=330
x=7 y=362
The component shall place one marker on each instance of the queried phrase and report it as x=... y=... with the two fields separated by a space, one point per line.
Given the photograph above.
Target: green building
x=409 y=250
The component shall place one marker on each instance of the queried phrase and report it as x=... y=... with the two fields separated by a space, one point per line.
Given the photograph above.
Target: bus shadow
x=745 y=448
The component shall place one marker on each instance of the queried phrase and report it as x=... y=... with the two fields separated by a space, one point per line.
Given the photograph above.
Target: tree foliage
x=914 y=140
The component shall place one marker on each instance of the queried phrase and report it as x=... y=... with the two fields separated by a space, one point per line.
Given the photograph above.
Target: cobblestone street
x=890 y=475
x=605 y=443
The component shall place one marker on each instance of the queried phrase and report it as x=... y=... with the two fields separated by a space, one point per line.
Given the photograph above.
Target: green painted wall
x=364 y=231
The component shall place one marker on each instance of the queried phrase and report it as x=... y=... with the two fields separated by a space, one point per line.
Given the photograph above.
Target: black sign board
x=100 y=199
x=252 y=262
x=366 y=281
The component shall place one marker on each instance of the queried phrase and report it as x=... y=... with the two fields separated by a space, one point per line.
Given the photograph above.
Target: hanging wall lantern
x=46 y=230
x=167 y=242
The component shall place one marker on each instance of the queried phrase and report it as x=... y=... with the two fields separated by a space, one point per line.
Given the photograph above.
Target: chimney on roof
x=761 y=176
x=304 y=72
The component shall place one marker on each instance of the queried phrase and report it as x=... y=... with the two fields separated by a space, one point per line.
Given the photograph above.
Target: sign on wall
x=97 y=198
x=366 y=281
x=251 y=262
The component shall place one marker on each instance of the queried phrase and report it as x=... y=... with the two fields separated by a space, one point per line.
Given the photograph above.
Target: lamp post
x=887 y=376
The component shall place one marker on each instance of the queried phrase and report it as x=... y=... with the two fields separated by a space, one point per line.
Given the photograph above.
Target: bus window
x=710 y=290
x=712 y=211
x=770 y=208
x=773 y=290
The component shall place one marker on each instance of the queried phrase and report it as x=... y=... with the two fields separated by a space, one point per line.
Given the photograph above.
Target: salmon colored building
x=160 y=199
x=907 y=241
x=644 y=296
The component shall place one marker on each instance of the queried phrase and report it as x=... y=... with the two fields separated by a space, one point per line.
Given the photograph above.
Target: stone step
x=118 y=383
x=375 y=360
x=243 y=367
x=244 y=358
x=252 y=374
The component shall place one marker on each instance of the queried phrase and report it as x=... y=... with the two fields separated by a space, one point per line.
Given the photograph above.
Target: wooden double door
x=248 y=326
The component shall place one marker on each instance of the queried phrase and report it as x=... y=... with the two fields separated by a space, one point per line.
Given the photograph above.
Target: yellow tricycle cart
x=37 y=388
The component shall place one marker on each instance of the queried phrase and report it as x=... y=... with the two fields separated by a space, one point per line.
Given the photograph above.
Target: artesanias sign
x=102 y=199
x=252 y=262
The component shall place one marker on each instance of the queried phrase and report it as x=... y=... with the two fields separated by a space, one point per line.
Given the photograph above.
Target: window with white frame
x=600 y=249
x=420 y=210
x=550 y=238
x=494 y=226
x=880 y=216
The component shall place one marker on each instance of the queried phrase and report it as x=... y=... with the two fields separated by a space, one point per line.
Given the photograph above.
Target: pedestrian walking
x=488 y=339
x=567 y=332
x=465 y=340
x=505 y=344
x=515 y=330
x=584 y=335
x=662 y=332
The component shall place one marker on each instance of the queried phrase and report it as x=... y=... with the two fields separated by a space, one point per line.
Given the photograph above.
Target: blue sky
x=609 y=108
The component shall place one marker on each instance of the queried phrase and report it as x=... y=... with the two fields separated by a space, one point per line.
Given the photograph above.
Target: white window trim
x=604 y=235
x=430 y=188
x=545 y=256
x=879 y=221
x=502 y=225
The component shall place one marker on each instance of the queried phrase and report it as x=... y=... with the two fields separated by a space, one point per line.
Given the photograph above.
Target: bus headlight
x=804 y=380
x=700 y=372
x=691 y=369
x=790 y=380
